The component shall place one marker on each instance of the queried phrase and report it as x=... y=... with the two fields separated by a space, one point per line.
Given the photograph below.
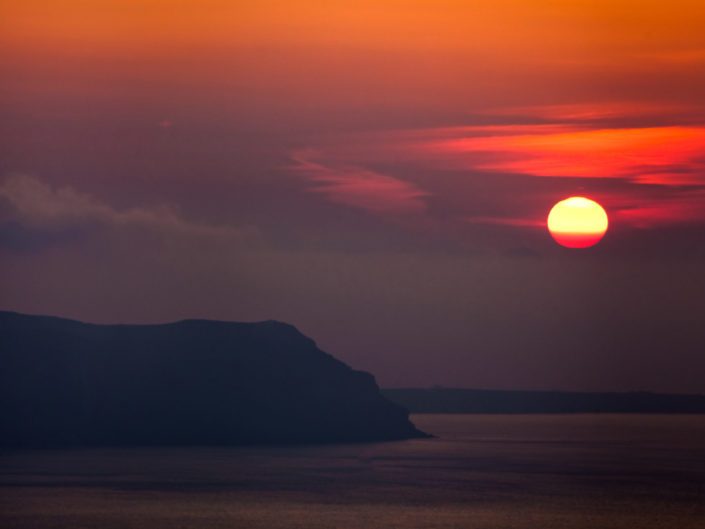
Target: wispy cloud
x=653 y=212
x=357 y=186
x=511 y=173
x=597 y=111
x=42 y=207
x=676 y=57
x=506 y=221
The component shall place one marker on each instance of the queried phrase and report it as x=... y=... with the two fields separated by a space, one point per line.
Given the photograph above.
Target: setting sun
x=577 y=222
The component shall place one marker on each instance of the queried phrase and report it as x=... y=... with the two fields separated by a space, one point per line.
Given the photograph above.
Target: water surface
x=481 y=471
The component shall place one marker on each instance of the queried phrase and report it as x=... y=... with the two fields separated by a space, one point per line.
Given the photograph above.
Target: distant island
x=194 y=382
x=453 y=400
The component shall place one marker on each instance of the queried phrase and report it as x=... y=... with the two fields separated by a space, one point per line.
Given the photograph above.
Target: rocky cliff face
x=66 y=383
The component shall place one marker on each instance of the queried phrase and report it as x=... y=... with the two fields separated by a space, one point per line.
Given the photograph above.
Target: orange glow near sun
x=577 y=222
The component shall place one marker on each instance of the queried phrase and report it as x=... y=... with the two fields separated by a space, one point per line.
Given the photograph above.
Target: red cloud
x=655 y=173
x=657 y=155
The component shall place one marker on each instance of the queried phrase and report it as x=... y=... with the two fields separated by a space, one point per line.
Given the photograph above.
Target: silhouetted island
x=455 y=400
x=194 y=382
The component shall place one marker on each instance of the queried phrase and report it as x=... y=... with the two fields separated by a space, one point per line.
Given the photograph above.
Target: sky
x=376 y=173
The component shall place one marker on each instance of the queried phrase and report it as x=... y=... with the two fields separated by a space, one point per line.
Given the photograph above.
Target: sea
x=479 y=471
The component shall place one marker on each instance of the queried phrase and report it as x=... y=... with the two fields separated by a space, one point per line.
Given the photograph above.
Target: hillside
x=194 y=382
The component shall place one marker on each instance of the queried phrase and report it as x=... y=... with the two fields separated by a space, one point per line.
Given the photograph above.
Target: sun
x=577 y=222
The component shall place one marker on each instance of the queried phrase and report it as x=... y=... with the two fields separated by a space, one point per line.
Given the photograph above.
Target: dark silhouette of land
x=194 y=382
x=451 y=400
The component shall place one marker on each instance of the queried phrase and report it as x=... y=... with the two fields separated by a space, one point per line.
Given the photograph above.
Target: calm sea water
x=533 y=471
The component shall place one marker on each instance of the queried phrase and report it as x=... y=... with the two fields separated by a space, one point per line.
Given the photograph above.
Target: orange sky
x=510 y=25
x=464 y=52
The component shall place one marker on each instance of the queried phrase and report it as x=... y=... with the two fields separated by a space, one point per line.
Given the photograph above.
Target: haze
x=376 y=173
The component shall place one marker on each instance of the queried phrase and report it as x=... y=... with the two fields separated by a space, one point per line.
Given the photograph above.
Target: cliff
x=194 y=382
